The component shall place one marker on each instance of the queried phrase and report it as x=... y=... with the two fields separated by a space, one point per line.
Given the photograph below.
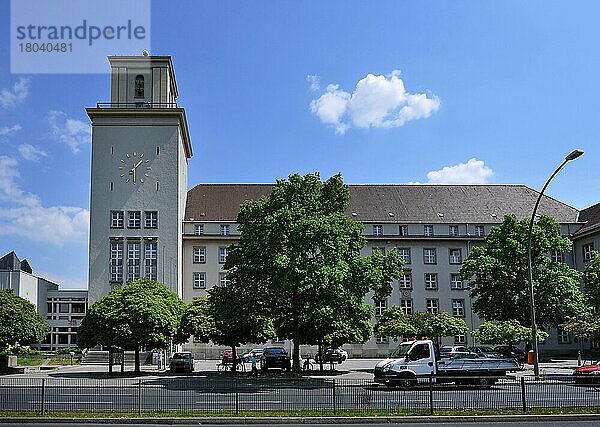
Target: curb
x=308 y=420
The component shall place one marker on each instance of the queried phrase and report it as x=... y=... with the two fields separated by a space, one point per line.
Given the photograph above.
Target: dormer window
x=139 y=86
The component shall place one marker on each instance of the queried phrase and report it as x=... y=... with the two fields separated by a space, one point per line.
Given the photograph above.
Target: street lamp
x=536 y=367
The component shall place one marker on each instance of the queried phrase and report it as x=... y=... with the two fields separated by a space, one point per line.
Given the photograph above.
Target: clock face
x=134 y=168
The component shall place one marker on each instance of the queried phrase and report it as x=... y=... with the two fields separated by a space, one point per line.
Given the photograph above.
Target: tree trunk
x=233 y=359
x=296 y=351
x=137 y=359
x=320 y=353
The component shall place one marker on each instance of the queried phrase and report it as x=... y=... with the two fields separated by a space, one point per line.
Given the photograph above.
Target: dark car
x=510 y=352
x=247 y=357
x=332 y=355
x=484 y=351
x=182 y=361
x=275 y=357
x=589 y=374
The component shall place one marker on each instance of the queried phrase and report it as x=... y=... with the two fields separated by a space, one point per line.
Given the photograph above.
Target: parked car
x=332 y=355
x=456 y=351
x=227 y=357
x=484 y=351
x=588 y=374
x=511 y=352
x=275 y=357
x=247 y=357
x=182 y=361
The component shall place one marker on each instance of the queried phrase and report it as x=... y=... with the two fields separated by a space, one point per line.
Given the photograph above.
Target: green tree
x=591 y=281
x=394 y=323
x=500 y=280
x=143 y=312
x=238 y=318
x=197 y=321
x=19 y=322
x=510 y=332
x=299 y=253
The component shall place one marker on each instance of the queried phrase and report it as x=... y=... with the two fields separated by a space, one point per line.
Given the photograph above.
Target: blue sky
x=383 y=92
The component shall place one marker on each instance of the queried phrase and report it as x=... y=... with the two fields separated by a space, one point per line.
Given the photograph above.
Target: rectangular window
x=380 y=306
x=406 y=305
x=453 y=230
x=223 y=280
x=133 y=261
x=199 y=254
x=49 y=307
x=117 y=219
x=198 y=229
x=429 y=256
x=432 y=306
x=479 y=231
x=135 y=219
x=563 y=336
x=378 y=230
x=588 y=252
x=224 y=230
x=381 y=340
x=460 y=339
x=151 y=220
x=405 y=280
x=222 y=255
x=456 y=281
x=78 y=308
x=63 y=308
x=556 y=256
x=454 y=256
x=428 y=230
x=404 y=230
x=116 y=261
x=379 y=249
x=458 y=307
x=199 y=280
x=431 y=281
x=404 y=254
x=150 y=260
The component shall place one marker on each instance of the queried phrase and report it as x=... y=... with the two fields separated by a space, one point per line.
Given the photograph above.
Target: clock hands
x=132 y=171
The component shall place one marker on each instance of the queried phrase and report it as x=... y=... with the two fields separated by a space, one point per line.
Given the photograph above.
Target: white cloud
x=473 y=172
x=74 y=133
x=29 y=152
x=15 y=95
x=26 y=216
x=9 y=130
x=378 y=101
x=314 y=81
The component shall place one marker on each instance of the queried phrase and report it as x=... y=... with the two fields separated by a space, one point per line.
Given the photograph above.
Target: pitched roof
x=10 y=262
x=591 y=217
x=408 y=203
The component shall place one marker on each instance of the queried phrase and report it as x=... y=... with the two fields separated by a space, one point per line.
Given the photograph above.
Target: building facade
x=145 y=223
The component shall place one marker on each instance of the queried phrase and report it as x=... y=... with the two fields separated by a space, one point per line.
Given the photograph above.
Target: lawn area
x=38 y=359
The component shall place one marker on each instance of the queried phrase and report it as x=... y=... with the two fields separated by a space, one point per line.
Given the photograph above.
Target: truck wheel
x=485 y=382
x=407 y=382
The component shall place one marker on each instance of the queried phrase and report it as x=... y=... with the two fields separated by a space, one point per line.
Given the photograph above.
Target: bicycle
x=307 y=365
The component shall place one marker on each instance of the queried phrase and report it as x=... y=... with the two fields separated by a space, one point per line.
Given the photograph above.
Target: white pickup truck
x=417 y=361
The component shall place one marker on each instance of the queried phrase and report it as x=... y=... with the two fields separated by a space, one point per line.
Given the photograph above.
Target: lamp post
x=536 y=367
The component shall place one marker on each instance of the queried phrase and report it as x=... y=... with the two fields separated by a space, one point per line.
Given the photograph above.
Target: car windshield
x=401 y=350
x=182 y=356
x=275 y=351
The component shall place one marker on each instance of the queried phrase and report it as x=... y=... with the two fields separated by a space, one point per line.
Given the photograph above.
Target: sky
x=382 y=92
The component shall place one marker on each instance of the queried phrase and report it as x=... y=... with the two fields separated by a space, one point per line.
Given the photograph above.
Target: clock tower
x=140 y=152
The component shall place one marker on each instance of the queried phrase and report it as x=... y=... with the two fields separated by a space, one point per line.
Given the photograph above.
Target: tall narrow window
x=199 y=254
x=199 y=280
x=223 y=281
x=479 y=231
x=135 y=219
x=556 y=256
x=428 y=230
x=588 y=251
x=380 y=306
x=453 y=230
x=117 y=219
x=378 y=230
x=198 y=229
x=133 y=261
x=116 y=261
x=224 y=230
x=405 y=280
x=406 y=306
x=431 y=281
x=404 y=230
x=429 y=256
x=404 y=254
x=432 y=306
x=458 y=307
x=150 y=257
x=139 y=86
x=222 y=255
x=455 y=281
x=454 y=256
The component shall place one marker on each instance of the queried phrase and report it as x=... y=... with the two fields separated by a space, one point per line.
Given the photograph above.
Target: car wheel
x=485 y=382
x=407 y=382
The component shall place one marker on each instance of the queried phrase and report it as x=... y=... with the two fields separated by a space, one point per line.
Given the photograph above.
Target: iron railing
x=134 y=105
x=245 y=394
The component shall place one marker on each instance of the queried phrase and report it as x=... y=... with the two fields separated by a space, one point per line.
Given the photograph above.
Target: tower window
x=139 y=86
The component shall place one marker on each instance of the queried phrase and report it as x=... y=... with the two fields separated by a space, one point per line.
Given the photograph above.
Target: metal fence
x=235 y=396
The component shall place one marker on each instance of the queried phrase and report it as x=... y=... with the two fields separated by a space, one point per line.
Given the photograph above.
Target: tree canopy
x=394 y=323
x=19 y=321
x=143 y=312
x=510 y=332
x=500 y=280
x=197 y=321
x=299 y=257
x=591 y=281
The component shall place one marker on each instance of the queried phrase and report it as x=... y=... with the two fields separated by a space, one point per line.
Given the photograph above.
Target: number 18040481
x=46 y=47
